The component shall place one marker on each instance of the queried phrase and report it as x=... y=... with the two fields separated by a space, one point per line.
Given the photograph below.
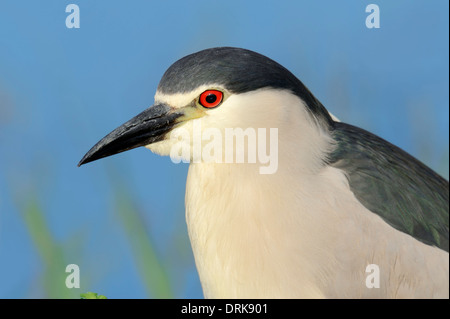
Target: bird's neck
x=239 y=218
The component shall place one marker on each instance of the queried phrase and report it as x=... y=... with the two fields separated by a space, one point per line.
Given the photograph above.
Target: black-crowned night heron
x=337 y=200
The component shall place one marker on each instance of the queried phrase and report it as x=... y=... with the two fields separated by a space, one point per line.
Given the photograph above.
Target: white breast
x=268 y=236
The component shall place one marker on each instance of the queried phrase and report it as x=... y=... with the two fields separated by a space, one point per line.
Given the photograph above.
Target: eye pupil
x=211 y=98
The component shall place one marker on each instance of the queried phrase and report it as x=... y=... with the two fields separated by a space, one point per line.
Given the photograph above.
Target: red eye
x=211 y=98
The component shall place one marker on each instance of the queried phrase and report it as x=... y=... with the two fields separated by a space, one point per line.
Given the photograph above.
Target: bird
x=342 y=213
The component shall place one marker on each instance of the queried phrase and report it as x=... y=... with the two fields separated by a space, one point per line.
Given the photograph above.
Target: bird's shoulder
x=388 y=181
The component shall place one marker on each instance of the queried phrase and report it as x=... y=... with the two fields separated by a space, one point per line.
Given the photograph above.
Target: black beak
x=146 y=128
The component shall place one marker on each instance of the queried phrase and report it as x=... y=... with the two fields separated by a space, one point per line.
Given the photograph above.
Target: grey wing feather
x=407 y=194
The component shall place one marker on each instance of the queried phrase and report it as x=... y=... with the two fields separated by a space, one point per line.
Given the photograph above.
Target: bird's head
x=214 y=90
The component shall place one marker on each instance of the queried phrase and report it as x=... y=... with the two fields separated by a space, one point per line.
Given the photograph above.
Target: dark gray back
x=391 y=183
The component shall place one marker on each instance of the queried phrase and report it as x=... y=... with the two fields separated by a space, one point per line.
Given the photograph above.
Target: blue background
x=121 y=219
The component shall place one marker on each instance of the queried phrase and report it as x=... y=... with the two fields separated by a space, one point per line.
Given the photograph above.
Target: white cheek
x=263 y=109
x=177 y=144
x=258 y=109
